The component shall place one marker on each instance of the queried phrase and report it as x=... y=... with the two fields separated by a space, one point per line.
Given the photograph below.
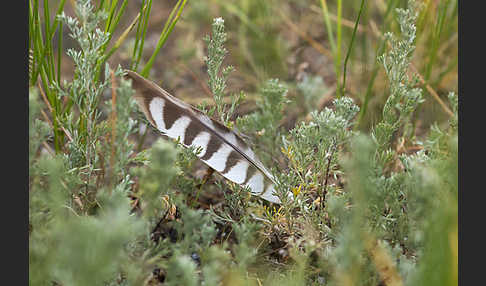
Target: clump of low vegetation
x=112 y=202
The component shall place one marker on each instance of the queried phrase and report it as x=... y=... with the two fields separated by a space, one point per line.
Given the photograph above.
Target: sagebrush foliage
x=367 y=208
x=217 y=84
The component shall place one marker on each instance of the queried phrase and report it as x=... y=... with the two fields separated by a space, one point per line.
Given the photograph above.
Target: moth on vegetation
x=222 y=149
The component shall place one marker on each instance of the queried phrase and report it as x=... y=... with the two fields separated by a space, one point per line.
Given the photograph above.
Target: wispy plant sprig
x=217 y=82
x=403 y=98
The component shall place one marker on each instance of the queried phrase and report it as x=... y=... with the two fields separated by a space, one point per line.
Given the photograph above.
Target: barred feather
x=31 y=63
x=222 y=149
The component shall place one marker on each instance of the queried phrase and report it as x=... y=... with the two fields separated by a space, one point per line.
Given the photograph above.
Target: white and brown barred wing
x=222 y=149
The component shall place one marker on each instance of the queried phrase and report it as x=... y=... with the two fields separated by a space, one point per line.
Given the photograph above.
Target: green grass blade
x=337 y=60
x=121 y=39
x=112 y=26
x=41 y=50
x=334 y=43
x=56 y=20
x=144 y=32
x=351 y=46
x=46 y=17
x=111 y=15
x=163 y=37
x=436 y=38
x=169 y=20
x=47 y=46
x=59 y=54
x=137 y=34
x=54 y=26
x=100 y=6
x=121 y=11
x=327 y=21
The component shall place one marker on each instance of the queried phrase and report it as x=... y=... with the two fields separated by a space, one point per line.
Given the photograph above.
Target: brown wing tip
x=132 y=75
x=139 y=83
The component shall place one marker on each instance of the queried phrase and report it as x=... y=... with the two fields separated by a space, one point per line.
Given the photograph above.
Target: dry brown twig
x=48 y=148
x=197 y=79
x=432 y=91
x=320 y=48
